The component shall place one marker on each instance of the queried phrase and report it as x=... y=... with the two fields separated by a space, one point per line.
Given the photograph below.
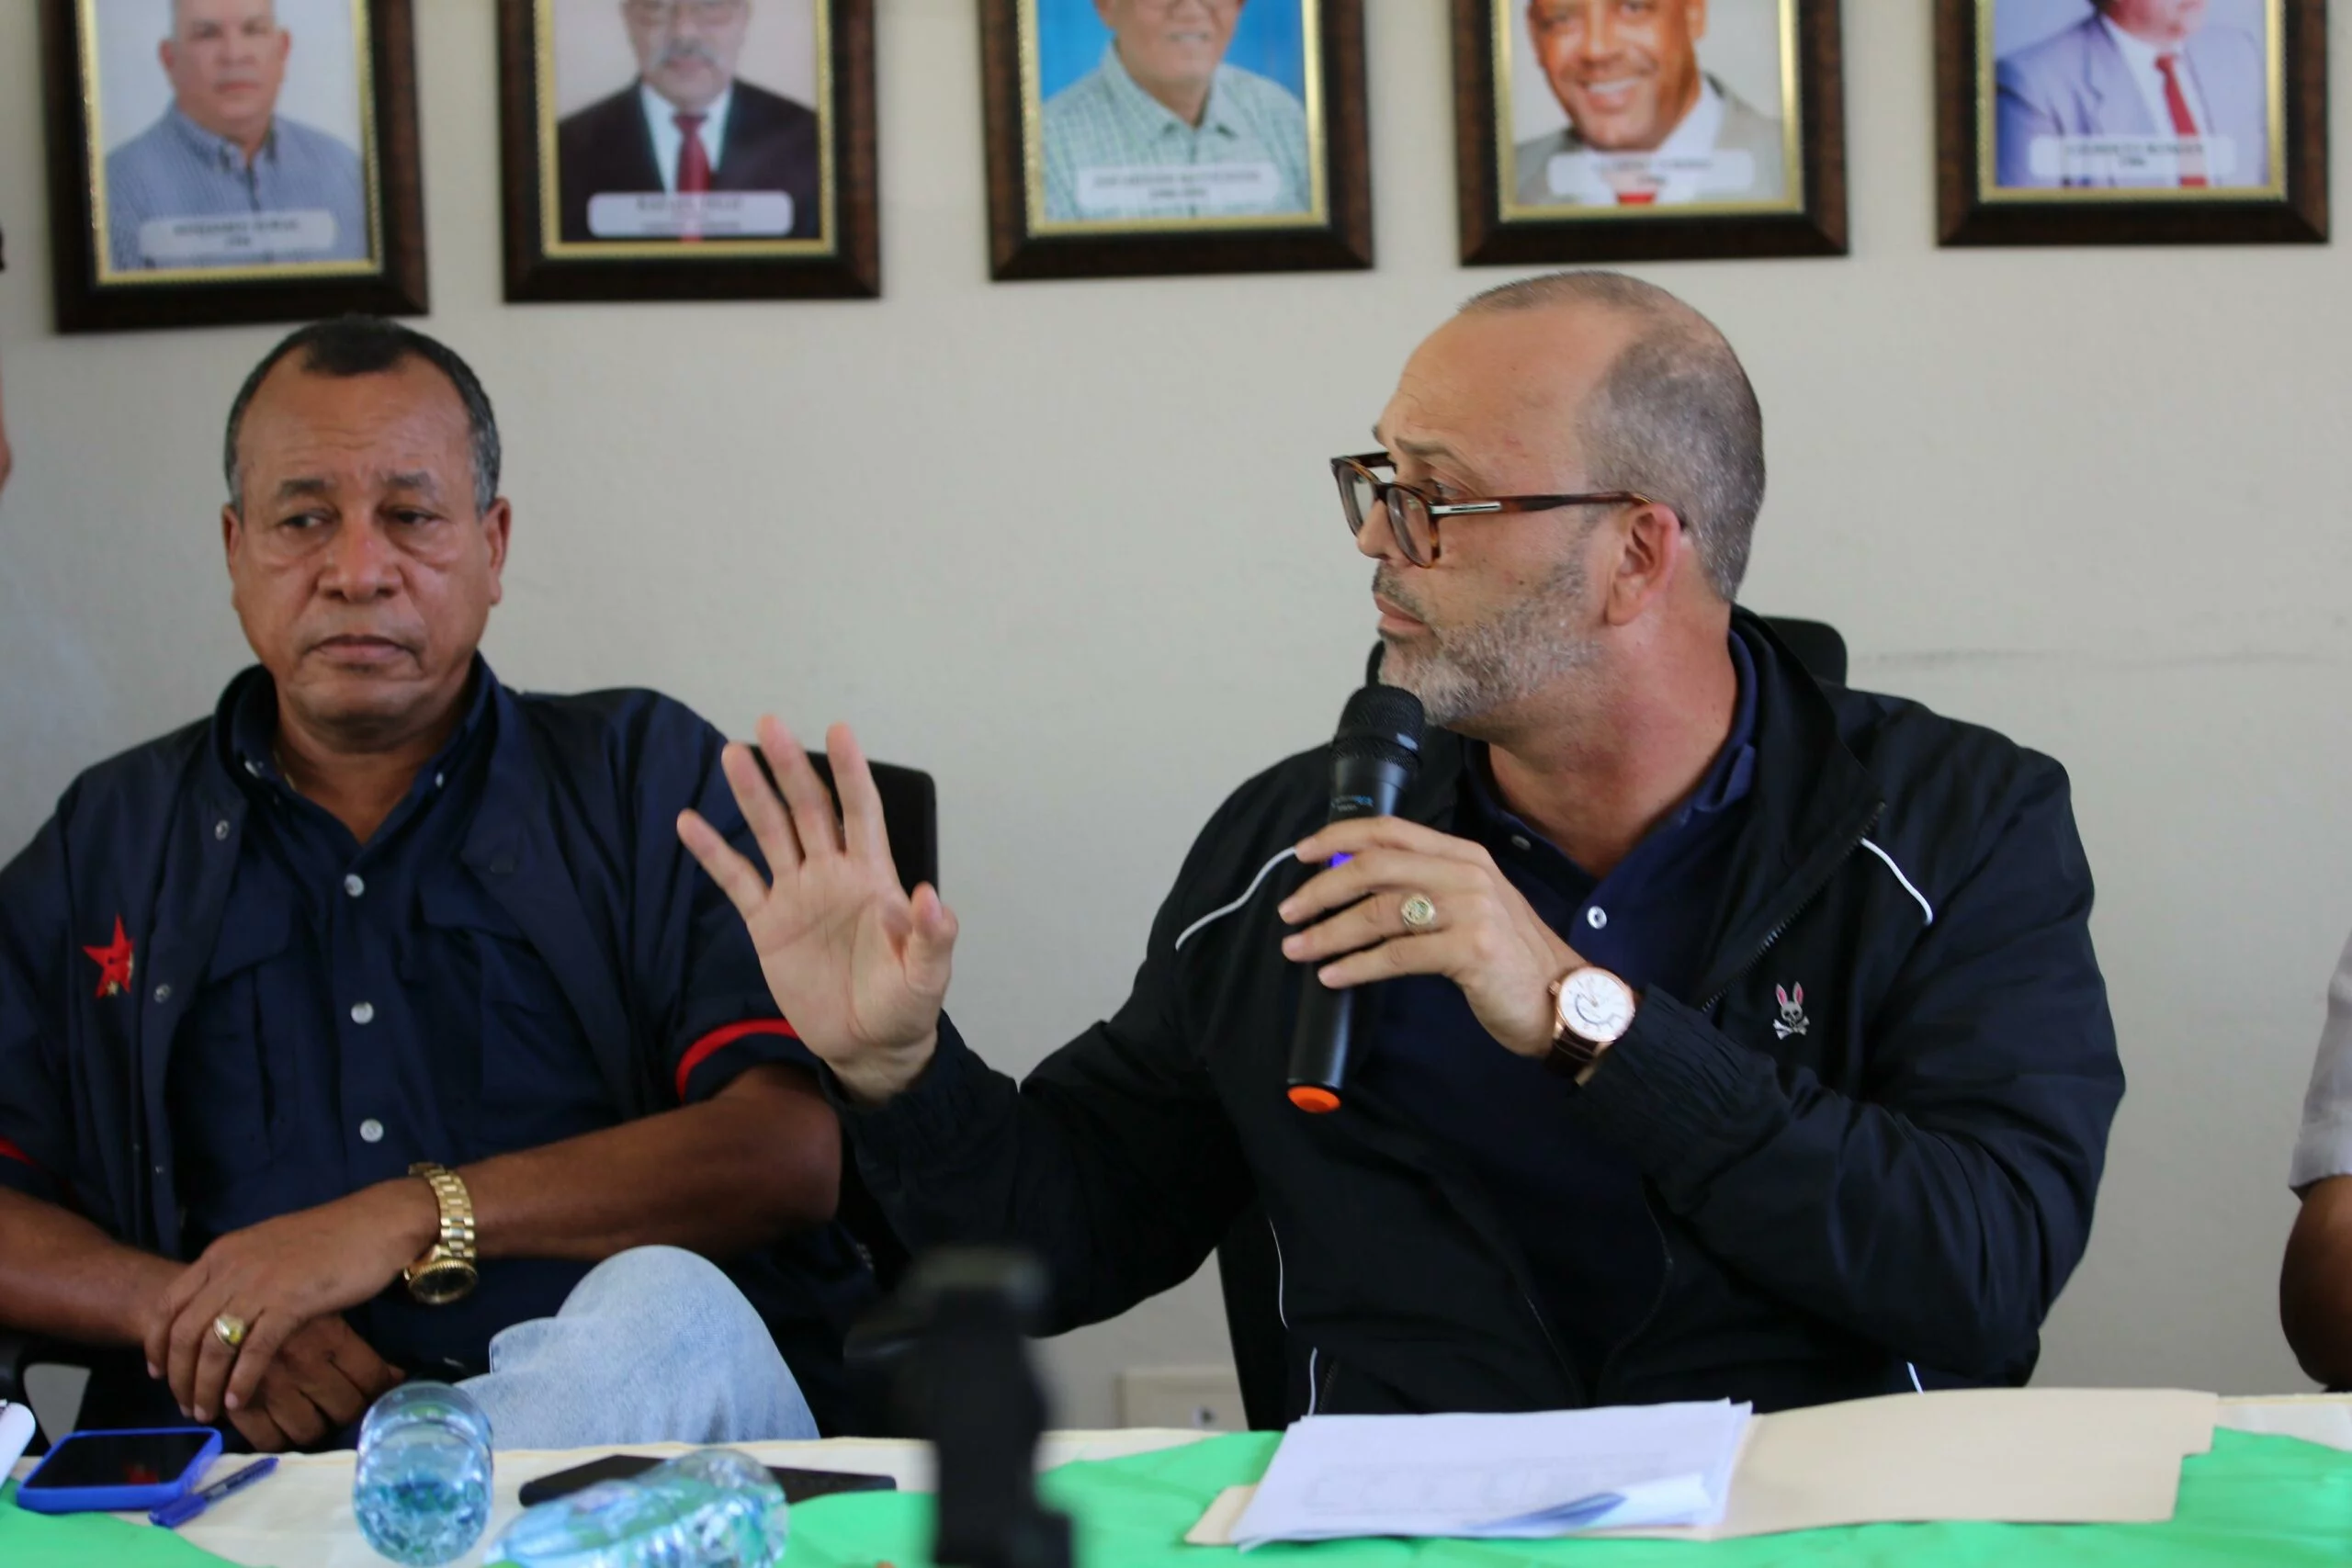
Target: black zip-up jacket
x=1897 y=1171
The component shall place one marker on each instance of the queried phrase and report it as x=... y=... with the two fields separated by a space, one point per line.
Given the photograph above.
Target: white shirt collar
x=1695 y=137
x=2138 y=52
x=668 y=140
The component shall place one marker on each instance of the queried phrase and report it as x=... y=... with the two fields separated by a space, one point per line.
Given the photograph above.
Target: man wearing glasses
x=689 y=151
x=1725 y=1034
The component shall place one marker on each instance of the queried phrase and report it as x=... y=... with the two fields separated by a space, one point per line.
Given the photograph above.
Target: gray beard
x=1464 y=672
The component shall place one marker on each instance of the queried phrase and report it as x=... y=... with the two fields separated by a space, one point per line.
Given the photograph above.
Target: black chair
x=1248 y=1267
x=120 y=1392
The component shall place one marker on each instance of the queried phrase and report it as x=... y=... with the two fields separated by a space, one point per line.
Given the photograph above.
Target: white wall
x=1072 y=546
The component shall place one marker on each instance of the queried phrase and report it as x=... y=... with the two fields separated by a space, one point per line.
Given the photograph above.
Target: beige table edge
x=301 y=1517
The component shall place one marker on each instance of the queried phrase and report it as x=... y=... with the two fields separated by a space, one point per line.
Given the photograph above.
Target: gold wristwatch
x=446 y=1272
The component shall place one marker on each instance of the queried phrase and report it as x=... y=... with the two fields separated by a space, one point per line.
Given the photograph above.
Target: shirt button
x=363 y=1013
x=1596 y=916
x=371 y=1131
x=354 y=885
x=439 y=778
x=1518 y=841
x=220 y=828
x=163 y=994
x=252 y=767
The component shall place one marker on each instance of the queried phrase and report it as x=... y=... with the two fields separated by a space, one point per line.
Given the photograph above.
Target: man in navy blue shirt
x=378 y=1026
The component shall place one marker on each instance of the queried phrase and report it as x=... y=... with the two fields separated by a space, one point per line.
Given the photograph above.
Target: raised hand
x=858 y=966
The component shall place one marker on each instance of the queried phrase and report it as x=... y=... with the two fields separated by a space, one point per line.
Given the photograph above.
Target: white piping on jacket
x=1214 y=915
x=1925 y=908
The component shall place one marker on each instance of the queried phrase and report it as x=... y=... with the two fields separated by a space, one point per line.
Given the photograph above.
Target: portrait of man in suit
x=1648 y=124
x=687 y=131
x=2131 y=92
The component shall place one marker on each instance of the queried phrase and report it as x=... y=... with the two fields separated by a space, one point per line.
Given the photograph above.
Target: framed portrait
x=1649 y=129
x=2087 y=122
x=223 y=160
x=1129 y=137
x=688 y=148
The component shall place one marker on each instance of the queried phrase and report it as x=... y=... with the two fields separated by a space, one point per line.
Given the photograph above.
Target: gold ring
x=230 y=1329
x=1418 y=913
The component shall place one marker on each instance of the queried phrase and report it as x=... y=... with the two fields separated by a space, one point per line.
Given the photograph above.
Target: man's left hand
x=1485 y=937
x=279 y=1276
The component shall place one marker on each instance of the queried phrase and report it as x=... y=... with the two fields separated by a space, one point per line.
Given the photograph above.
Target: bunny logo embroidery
x=1791 y=1019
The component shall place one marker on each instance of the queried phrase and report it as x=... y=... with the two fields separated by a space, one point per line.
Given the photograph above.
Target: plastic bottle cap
x=1313 y=1099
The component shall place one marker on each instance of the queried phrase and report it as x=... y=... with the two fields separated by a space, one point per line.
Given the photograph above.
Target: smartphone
x=118 y=1472
x=800 y=1485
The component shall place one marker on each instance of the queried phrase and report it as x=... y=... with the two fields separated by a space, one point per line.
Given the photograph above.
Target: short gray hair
x=1674 y=418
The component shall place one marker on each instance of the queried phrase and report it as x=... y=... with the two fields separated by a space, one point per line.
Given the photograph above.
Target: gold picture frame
x=1034 y=233
x=822 y=149
x=2096 y=185
x=1655 y=204
x=141 y=236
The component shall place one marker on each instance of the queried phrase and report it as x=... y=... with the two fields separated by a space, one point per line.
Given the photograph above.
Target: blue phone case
x=115 y=1499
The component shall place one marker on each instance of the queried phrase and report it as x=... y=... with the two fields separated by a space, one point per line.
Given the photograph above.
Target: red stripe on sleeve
x=10 y=1151
x=703 y=1049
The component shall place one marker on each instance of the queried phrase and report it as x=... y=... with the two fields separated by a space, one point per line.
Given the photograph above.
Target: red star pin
x=114 y=962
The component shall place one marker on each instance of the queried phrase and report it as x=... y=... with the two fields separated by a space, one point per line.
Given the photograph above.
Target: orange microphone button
x=1314 y=1100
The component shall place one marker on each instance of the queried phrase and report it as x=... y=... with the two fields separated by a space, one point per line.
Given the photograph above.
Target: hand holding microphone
x=1398 y=898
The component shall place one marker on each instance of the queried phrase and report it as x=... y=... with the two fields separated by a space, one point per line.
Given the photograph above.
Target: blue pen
x=178 y=1511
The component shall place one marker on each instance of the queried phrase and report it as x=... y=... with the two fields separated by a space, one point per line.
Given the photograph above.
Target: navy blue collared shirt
x=520 y=954
x=1574 y=1205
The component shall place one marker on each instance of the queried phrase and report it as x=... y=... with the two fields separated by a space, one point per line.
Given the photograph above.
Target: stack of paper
x=1550 y=1473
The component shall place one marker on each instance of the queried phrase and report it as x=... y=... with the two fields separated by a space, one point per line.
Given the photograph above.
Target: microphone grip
x=1323 y=1037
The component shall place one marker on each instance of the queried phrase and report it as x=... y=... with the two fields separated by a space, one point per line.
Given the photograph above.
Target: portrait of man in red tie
x=688 y=152
x=2145 y=94
x=1652 y=95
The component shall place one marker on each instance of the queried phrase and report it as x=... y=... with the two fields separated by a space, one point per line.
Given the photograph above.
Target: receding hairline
x=301 y=362
x=1614 y=293
x=180 y=7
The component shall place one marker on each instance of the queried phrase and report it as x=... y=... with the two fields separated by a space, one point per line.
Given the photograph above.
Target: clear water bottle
x=712 y=1508
x=422 y=1488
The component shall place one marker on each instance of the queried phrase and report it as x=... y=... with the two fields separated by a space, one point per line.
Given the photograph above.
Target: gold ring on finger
x=1418 y=913
x=230 y=1329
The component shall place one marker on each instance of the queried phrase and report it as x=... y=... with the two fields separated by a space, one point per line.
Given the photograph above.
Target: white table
x=300 y=1518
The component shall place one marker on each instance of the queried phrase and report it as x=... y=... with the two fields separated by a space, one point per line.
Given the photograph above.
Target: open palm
x=858 y=966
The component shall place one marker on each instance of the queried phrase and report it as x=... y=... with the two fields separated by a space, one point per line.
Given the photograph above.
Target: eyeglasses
x=666 y=13
x=1367 y=480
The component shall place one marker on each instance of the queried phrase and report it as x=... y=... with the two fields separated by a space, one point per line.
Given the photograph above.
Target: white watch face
x=1596 y=1006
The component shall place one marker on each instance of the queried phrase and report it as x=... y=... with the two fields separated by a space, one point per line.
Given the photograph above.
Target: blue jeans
x=656 y=1345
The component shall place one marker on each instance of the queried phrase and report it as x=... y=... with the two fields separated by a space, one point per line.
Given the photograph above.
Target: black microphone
x=1373 y=758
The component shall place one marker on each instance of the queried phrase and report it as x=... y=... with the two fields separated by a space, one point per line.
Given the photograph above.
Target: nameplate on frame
x=700 y=215
x=1600 y=179
x=1178 y=190
x=2131 y=160
x=233 y=237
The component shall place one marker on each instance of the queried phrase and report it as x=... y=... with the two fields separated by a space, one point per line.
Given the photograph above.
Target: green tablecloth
x=2252 y=1500
x=87 y=1541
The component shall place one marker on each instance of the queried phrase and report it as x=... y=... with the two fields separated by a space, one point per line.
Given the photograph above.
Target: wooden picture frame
x=1288 y=209
x=140 y=232
x=1556 y=197
x=1990 y=179
x=792 y=211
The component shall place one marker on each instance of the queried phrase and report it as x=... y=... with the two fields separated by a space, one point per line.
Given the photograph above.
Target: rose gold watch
x=1591 y=1009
